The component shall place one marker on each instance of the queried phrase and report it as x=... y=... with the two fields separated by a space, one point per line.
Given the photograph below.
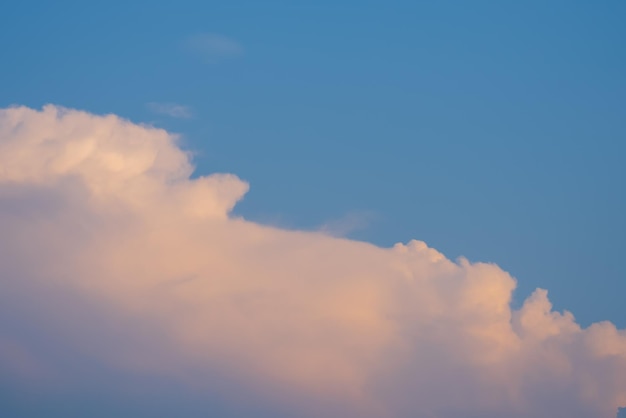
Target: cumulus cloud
x=126 y=282
x=171 y=109
x=213 y=47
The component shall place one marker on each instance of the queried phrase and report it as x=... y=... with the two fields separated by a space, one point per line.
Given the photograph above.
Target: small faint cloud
x=349 y=223
x=171 y=109
x=213 y=47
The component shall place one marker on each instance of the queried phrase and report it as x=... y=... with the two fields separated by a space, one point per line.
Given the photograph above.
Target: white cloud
x=213 y=47
x=171 y=109
x=115 y=264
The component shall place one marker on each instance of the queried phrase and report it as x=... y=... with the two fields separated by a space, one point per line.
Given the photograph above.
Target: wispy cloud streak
x=173 y=110
x=213 y=47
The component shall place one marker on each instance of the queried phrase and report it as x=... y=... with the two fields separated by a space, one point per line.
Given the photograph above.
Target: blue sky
x=493 y=130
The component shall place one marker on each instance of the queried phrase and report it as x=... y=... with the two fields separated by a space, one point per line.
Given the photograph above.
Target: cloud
x=349 y=223
x=213 y=47
x=171 y=109
x=127 y=285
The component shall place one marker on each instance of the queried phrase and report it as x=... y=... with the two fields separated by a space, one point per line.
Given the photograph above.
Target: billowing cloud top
x=116 y=267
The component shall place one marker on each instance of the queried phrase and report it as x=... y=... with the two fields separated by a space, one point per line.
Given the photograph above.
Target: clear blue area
x=490 y=129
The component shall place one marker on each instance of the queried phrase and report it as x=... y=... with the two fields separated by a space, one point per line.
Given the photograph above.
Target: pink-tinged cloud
x=111 y=254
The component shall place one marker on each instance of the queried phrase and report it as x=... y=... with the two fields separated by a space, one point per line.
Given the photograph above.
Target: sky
x=399 y=180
